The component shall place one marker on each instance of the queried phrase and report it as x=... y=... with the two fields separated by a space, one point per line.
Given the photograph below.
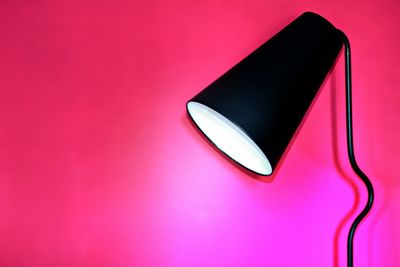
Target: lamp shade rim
x=264 y=167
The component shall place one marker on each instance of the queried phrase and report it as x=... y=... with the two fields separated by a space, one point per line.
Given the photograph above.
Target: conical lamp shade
x=252 y=111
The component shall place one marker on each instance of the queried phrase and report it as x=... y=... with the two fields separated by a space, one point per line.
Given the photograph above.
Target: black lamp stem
x=352 y=158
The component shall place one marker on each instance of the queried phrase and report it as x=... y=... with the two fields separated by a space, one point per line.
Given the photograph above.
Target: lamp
x=252 y=111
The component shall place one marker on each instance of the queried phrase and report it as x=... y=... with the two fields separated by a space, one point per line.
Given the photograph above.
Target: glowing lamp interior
x=229 y=138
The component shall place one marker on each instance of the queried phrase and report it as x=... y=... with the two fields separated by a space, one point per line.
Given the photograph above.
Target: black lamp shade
x=252 y=111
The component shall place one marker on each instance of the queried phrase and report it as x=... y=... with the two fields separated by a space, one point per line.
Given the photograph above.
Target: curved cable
x=352 y=158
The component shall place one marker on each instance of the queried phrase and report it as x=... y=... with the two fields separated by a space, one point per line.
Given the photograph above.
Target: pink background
x=100 y=166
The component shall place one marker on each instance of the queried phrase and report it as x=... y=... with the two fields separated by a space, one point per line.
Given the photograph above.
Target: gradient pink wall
x=99 y=165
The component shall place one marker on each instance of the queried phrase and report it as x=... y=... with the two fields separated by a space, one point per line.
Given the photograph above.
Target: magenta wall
x=99 y=165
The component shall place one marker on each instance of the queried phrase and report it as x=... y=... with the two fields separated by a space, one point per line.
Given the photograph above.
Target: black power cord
x=352 y=158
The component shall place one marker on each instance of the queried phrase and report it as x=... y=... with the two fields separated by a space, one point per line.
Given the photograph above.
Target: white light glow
x=229 y=138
